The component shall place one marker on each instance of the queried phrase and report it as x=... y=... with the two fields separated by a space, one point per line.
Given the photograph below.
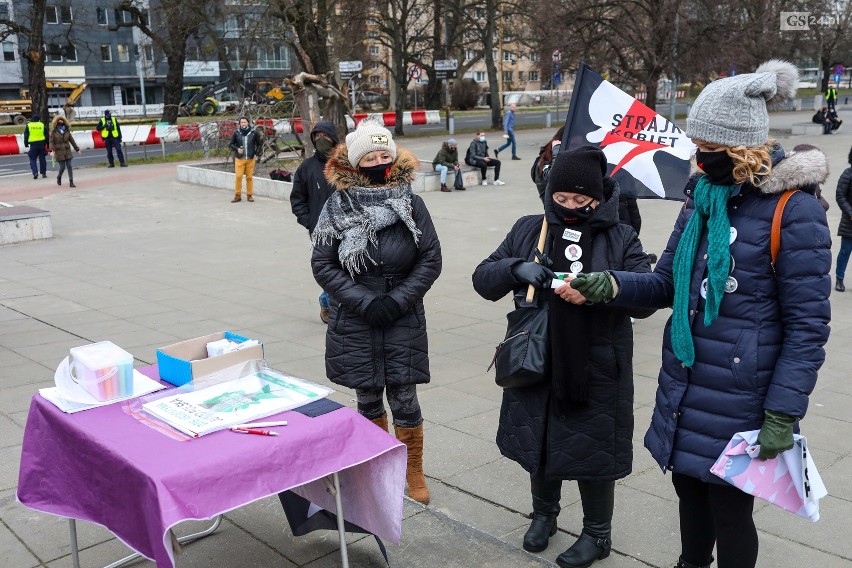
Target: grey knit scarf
x=354 y=216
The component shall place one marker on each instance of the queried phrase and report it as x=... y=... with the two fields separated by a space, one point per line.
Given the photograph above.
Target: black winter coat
x=595 y=442
x=251 y=144
x=310 y=191
x=844 y=201
x=628 y=212
x=358 y=356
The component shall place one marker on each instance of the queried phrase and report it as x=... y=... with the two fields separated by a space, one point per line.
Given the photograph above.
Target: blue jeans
x=510 y=142
x=843 y=257
x=323 y=299
x=443 y=171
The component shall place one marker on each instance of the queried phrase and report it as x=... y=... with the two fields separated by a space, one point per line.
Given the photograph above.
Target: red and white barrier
x=142 y=134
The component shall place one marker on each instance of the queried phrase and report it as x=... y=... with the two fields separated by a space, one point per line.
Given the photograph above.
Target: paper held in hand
x=237 y=401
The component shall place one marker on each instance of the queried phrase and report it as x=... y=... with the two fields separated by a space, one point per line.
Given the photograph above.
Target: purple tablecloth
x=104 y=466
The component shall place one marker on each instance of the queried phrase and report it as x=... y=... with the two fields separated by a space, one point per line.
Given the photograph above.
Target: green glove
x=776 y=434
x=595 y=286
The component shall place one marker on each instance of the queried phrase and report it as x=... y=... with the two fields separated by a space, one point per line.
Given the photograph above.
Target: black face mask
x=573 y=216
x=377 y=174
x=323 y=146
x=718 y=166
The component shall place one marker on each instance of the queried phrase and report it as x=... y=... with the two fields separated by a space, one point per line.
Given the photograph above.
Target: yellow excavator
x=19 y=111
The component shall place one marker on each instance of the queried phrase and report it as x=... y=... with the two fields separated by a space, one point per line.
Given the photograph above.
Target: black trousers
x=405 y=408
x=483 y=167
x=715 y=514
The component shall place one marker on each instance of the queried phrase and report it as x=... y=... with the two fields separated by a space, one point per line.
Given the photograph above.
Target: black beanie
x=579 y=171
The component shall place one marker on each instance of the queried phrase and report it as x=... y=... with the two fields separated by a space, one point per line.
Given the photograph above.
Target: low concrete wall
x=22 y=223
x=265 y=187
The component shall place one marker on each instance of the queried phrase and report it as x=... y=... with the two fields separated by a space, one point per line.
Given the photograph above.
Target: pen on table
x=253 y=431
x=262 y=424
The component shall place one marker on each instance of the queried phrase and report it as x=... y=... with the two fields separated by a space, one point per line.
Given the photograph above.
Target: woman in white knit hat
x=376 y=253
x=746 y=336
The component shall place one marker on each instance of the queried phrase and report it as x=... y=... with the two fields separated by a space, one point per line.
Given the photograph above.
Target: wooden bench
x=21 y=223
x=807 y=128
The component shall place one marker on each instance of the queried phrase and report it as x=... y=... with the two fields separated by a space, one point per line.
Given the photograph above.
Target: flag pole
x=542 y=237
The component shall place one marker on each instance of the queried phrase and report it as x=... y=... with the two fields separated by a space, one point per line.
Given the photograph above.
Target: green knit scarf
x=711 y=210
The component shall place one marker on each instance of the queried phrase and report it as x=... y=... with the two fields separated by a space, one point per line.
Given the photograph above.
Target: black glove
x=533 y=273
x=393 y=309
x=382 y=312
x=776 y=434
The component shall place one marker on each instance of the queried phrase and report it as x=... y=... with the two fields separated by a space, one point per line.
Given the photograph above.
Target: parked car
x=371 y=100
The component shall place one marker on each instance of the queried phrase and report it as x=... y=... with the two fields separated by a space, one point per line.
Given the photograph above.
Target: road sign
x=446 y=64
x=838 y=70
x=557 y=78
x=557 y=56
x=414 y=72
x=837 y=79
x=348 y=69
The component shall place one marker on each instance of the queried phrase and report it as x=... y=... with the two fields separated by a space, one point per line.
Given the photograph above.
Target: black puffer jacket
x=310 y=188
x=844 y=201
x=595 y=442
x=358 y=356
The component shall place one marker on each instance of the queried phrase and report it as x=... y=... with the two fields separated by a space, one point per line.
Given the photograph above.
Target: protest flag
x=648 y=155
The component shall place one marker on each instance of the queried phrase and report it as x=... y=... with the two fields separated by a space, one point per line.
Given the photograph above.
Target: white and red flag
x=648 y=155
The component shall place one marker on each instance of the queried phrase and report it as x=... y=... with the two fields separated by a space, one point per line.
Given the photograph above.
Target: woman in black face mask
x=377 y=254
x=579 y=425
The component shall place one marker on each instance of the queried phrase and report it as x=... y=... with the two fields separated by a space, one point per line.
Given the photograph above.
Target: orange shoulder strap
x=775 y=235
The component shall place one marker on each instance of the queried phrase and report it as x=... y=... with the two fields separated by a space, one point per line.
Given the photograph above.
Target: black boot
x=839 y=285
x=594 y=543
x=681 y=563
x=545 y=499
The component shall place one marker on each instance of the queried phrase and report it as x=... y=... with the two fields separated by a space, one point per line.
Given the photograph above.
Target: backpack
x=468 y=159
x=281 y=175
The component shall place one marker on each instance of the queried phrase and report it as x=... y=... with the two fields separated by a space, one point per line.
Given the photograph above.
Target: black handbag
x=458 y=183
x=523 y=358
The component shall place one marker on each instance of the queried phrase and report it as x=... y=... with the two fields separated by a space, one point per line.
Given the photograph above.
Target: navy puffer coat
x=357 y=355
x=844 y=201
x=593 y=442
x=765 y=348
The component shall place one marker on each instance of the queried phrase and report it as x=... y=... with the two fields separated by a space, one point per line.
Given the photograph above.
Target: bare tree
x=34 y=53
x=176 y=23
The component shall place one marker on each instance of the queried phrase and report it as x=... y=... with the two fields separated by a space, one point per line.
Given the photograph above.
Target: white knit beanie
x=369 y=137
x=733 y=111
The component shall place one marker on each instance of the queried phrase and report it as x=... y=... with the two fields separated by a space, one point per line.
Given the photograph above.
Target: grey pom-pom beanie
x=734 y=111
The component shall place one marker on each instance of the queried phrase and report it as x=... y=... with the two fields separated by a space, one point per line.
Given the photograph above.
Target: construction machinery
x=18 y=111
x=202 y=100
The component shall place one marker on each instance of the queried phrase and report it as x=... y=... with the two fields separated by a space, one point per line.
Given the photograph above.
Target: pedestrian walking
x=377 y=253
x=509 y=132
x=61 y=142
x=246 y=145
x=746 y=337
x=446 y=159
x=311 y=188
x=578 y=425
x=477 y=156
x=35 y=140
x=844 y=231
x=111 y=133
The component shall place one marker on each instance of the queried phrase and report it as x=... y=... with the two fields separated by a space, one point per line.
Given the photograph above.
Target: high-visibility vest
x=36 y=131
x=831 y=94
x=105 y=132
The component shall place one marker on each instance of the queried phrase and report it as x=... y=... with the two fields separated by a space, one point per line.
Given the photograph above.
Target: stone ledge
x=21 y=223
x=423 y=180
x=807 y=128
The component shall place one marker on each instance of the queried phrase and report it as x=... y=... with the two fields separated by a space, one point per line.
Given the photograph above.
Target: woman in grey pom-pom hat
x=746 y=337
x=376 y=253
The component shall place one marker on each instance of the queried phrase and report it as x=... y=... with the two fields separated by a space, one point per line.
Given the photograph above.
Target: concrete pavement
x=144 y=261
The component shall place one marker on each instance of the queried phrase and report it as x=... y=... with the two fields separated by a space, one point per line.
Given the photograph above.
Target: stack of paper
x=233 y=402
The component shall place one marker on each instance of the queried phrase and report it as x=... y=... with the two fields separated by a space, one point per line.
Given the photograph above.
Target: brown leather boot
x=413 y=439
x=381 y=421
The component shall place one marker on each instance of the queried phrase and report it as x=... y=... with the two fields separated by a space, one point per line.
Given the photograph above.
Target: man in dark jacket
x=311 y=189
x=477 y=156
x=35 y=138
x=446 y=159
x=246 y=145
x=111 y=133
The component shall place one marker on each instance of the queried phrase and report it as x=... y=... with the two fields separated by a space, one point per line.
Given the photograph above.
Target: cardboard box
x=181 y=362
